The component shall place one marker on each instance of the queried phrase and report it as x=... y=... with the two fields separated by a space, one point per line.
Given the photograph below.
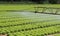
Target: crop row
x=27 y=26
x=27 y=21
x=37 y=32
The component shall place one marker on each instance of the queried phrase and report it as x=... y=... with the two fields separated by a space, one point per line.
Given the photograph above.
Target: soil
x=52 y=34
x=3 y=35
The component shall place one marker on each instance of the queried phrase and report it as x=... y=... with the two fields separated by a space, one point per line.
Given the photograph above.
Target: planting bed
x=28 y=24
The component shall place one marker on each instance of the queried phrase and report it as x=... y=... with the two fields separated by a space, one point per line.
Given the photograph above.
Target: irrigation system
x=47 y=10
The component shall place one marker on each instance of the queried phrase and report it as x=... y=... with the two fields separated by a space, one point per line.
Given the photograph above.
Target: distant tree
x=54 y=1
x=38 y=1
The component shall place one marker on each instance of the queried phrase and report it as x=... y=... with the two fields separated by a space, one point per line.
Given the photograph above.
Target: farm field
x=27 y=23
x=29 y=7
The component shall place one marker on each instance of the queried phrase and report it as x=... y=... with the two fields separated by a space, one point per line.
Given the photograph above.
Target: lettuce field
x=28 y=23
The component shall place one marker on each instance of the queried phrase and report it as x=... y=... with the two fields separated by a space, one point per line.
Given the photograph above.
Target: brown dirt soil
x=50 y=35
x=3 y=35
x=53 y=34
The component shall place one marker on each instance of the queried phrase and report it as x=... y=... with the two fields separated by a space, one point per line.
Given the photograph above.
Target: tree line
x=34 y=1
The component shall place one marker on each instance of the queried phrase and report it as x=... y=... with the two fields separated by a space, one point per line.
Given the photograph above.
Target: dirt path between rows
x=53 y=34
x=3 y=35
